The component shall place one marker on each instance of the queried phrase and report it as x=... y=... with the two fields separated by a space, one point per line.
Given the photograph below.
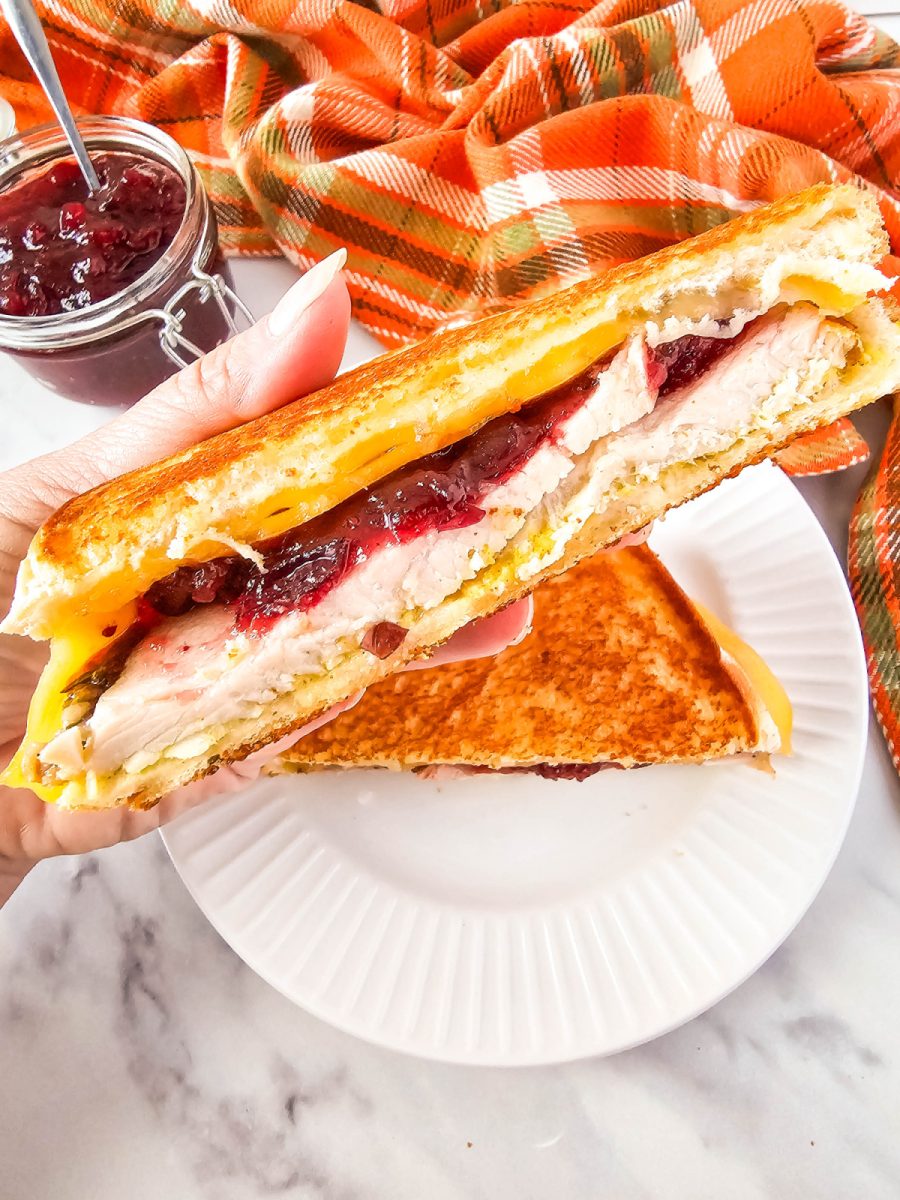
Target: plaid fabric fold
x=472 y=155
x=832 y=449
x=873 y=559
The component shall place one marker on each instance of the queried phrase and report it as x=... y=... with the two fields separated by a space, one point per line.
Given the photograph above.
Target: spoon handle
x=26 y=26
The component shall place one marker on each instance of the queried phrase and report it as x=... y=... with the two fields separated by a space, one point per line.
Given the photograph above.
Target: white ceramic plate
x=512 y=920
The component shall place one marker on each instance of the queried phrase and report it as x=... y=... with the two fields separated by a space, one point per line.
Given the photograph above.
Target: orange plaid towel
x=473 y=153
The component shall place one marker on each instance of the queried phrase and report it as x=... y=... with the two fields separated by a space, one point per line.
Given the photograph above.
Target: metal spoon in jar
x=24 y=22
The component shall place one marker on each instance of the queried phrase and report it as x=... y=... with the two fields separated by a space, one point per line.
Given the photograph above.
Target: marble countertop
x=140 y=1058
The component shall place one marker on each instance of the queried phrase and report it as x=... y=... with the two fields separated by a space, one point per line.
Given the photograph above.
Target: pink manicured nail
x=304 y=293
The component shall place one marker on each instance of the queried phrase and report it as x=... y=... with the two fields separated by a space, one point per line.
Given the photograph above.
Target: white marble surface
x=140 y=1058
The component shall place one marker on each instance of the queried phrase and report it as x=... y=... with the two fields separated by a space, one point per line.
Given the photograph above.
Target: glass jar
x=115 y=350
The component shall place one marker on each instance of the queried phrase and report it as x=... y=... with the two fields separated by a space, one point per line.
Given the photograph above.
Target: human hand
x=294 y=351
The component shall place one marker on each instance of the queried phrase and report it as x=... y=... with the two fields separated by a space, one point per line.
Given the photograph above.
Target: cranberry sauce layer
x=679 y=362
x=442 y=491
x=578 y=772
x=62 y=248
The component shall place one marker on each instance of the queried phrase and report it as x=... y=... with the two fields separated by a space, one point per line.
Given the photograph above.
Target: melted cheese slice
x=68 y=656
x=760 y=677
x=832 y=300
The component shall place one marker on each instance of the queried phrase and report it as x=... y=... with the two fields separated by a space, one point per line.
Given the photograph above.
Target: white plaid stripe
x=526 y=153
x=503 y=200
x=540 y=195
x=580 y=68
x=370 y=284
x=701 y=75
x=221 y=13
x=740 y=28
x=697 y=64
x=310 y=59
x=143 y=54
x=398 y=9
x=406 y=53
x=411 y=182
x=296 y=112
x=527 y=49
x=213 y=161
x=865 y=40
x=66 y=49
x=859 y=152
x=515 y=69
x=636 y=184
x=729 y=143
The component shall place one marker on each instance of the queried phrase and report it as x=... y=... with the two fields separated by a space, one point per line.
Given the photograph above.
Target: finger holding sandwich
x=296 y=349
x=207 y=606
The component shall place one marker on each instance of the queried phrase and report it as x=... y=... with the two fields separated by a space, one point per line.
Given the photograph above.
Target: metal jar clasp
x=175 y=345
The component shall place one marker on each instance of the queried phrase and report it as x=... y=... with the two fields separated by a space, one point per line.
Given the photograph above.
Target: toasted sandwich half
x=620 y=669
x=205 y=606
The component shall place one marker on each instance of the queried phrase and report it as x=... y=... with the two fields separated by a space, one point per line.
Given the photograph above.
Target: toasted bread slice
x=620 y=668
x=797 y=272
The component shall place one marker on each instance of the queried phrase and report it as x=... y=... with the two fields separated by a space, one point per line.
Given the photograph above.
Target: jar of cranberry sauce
x=103 y=296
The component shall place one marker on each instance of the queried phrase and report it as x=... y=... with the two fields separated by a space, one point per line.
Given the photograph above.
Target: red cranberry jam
x=679 y=362
x=63 y=249
x=441 y=491
x=577 y=771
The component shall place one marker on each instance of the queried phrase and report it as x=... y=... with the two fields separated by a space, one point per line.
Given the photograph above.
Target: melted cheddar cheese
x=828 y=297
x=68 y=655
x=764 y=683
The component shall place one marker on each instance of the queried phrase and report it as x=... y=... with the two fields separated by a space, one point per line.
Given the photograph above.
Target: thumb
x=294 y=350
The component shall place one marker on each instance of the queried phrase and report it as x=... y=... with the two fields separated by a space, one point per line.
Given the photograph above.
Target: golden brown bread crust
x=619 y=668
x=132 y=523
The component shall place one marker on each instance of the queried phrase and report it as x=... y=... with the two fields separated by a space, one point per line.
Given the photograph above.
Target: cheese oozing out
x=776 y=717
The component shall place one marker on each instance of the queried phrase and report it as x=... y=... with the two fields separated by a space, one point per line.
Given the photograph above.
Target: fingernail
x=304 y=293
